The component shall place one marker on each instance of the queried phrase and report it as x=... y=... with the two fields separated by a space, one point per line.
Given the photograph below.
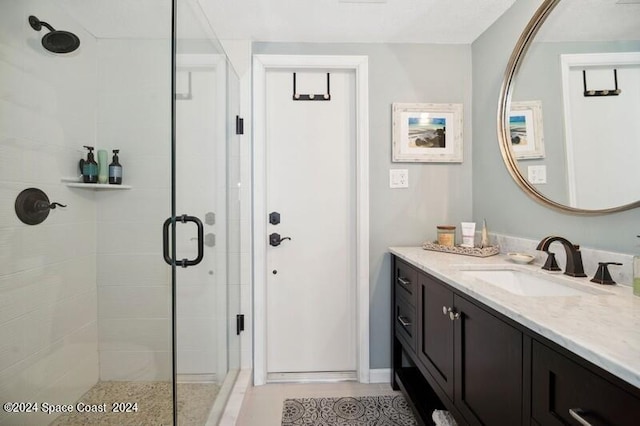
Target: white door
x=311 y=182
x=602 y=128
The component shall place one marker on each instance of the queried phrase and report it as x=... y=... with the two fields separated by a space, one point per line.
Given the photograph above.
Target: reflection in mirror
x=583 y=153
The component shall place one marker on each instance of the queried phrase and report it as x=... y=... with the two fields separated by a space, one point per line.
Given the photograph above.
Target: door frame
x=359 y=64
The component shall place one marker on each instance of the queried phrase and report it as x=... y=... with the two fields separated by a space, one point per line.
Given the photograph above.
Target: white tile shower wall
x=133 y=281
x=590 y=257
x=48 y=307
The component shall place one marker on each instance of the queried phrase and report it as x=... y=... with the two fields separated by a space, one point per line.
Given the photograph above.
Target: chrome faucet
x=574 y=265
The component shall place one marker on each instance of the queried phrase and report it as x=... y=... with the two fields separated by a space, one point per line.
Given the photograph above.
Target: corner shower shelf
x=74 y=182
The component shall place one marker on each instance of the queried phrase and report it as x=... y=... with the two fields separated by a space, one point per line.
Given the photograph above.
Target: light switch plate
x=537 y=174
x=398 y=178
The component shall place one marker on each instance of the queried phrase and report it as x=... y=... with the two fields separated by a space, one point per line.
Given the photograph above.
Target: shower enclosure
x=119 y=308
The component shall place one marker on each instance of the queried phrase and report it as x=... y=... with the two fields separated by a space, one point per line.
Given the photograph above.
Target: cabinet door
x=405 y=278
x=560 y=385
x=405 y=323
x=488 y=360
x=435 y=331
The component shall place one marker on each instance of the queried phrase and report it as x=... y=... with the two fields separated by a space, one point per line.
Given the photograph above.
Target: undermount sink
x=530 y=283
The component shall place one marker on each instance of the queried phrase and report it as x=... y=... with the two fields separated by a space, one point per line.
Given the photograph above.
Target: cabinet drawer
x=405 y=281
x=405 y=315
x=562 y=389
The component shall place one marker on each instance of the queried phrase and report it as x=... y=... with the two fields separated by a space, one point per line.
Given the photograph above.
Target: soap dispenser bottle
x=115 y=169
x=90 y=168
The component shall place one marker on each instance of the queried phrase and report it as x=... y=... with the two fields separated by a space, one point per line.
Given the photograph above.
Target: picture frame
x=525 y=126
x=427 y=133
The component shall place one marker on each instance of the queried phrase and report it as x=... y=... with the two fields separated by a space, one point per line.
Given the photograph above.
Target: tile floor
x=262 y=405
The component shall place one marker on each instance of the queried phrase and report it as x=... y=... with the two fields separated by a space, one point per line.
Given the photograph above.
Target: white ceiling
x=410 y=21
x=394 y=21
x=341 y=21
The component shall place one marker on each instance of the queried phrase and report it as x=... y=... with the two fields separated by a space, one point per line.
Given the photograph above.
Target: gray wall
x=437 y=193
x=495 y=196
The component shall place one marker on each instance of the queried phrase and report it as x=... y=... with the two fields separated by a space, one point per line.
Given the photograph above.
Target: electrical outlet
x=398 y=178
x=537 y=174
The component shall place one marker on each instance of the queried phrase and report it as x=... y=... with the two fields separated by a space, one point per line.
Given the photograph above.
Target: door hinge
x=239 y=323
x=239 y=125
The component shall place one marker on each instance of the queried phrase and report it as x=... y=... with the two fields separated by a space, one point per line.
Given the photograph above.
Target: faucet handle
x=602 y=275
x=551 y=264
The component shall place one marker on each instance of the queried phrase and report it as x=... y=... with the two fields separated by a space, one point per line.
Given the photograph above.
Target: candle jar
x=447 y=235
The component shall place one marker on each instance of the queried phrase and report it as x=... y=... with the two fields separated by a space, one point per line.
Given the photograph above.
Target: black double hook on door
x=165 y=240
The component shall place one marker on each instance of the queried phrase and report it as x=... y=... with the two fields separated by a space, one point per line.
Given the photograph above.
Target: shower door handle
x=165 y=240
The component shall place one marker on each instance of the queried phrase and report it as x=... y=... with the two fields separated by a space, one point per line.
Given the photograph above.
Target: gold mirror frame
x=504 y=137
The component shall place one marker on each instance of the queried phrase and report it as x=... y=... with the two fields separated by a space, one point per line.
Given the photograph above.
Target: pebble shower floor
x=153 y=400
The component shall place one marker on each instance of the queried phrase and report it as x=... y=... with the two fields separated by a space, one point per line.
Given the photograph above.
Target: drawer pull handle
x=453 y=315
x=576 y=414
x=404 y=321
x=404 y=282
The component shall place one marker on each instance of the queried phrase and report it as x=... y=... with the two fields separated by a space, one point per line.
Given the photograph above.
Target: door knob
x=275 y=239
x=453 y=315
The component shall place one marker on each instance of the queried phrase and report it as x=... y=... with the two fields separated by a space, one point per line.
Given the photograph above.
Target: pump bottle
x=90 y=168
x=115 y=169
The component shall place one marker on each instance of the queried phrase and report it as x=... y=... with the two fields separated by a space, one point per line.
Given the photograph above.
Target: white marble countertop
x=603 y=329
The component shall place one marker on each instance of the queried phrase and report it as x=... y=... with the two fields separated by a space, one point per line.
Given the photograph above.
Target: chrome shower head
x=55 y=41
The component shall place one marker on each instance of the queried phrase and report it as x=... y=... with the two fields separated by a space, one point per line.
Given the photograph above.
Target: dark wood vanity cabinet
x=563 y=390
x=405 y=305
x=450 y=351
x=473 y=357
x=487 y=367
x=435 y=328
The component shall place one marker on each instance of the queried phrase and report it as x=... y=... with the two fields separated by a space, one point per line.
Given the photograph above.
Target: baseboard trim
x=380 y=375
x=196 y=378
x=310 y=377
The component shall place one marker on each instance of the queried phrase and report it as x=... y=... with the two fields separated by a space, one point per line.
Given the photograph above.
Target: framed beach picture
x=427 y=133
x=525 y=126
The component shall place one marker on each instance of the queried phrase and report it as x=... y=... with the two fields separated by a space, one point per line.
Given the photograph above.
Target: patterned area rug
x=388 y=410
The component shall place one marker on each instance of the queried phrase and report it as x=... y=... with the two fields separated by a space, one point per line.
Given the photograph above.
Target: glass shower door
x=85 y=297
x=204 y=226
x=90 y=314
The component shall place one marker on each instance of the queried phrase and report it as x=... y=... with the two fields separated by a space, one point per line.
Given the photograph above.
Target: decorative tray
x=467 y=251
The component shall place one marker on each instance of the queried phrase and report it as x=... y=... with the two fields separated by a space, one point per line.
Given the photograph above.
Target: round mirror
x=569 y=110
